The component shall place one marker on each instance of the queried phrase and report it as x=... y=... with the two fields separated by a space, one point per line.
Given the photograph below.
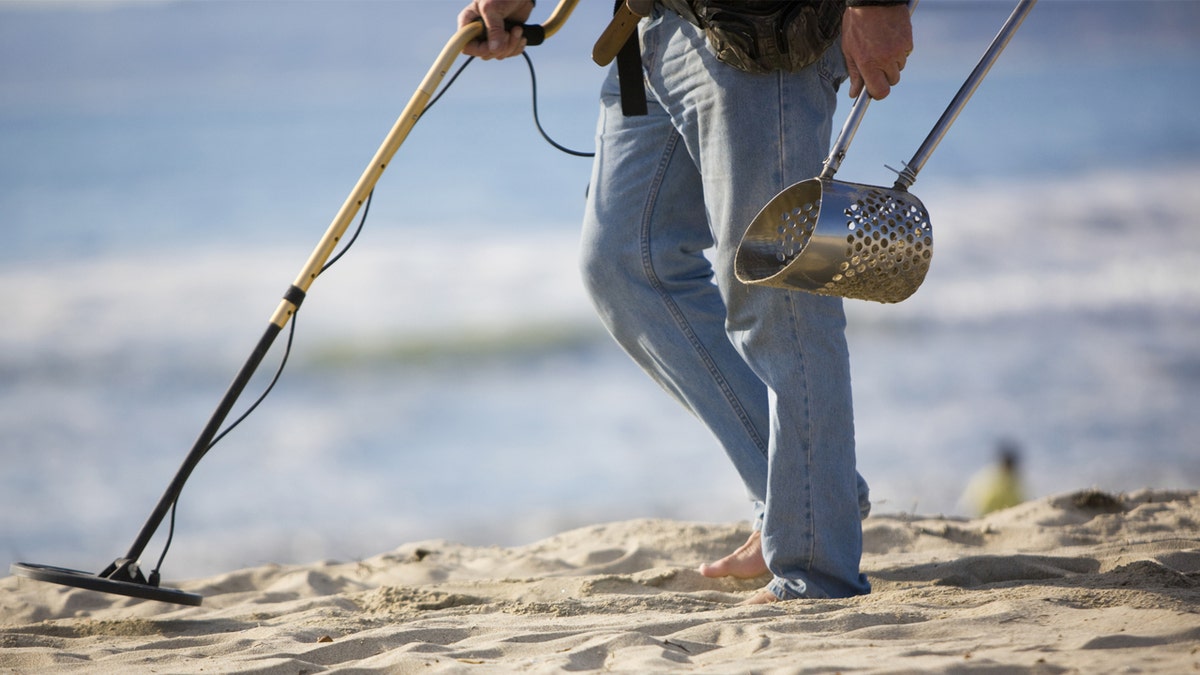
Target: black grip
x=534 y=33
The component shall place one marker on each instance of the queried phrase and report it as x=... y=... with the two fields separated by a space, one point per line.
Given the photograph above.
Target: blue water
x=166 y=168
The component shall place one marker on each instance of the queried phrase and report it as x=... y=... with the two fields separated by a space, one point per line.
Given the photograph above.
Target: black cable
x=533 y=93
x=446 y=87
x=353 y=238
x=279 y=371
x=287 y=350
x=154 y=574
x=538 y=122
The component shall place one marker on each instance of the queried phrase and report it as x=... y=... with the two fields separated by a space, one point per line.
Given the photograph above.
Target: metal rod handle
x=838 y=152
x=909 y=174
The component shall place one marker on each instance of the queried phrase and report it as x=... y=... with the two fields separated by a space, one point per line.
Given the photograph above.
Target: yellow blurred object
x=996 y=487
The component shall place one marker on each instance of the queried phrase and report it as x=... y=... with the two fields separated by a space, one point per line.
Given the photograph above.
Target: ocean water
x=167 y=166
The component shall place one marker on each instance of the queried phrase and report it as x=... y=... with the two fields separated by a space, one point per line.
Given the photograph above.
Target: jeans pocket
x=832 y=65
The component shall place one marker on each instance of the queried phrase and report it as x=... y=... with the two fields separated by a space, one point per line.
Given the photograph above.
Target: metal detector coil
x=97 y=582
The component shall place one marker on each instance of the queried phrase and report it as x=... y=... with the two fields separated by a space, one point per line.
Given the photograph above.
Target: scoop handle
x=837 y=153
x=909 y=174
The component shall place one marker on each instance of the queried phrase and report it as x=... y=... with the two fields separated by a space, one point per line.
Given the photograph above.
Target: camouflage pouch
x=761 y=36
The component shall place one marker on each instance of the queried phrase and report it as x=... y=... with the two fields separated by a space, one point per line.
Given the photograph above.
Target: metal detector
x=124 y=576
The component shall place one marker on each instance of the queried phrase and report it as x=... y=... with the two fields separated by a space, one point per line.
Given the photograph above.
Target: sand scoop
x=124 y=576
x=831 y=237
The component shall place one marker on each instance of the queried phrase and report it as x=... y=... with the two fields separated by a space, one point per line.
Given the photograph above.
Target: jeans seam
x=781 y=107
x=807 y=434
x=673 y=309
x=801 y=363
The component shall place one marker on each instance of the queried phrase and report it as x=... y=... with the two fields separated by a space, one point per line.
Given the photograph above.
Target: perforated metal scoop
x=835 y=238
x=855 y=241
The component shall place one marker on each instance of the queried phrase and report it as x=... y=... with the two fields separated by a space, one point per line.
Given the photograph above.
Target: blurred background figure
x=998 y=486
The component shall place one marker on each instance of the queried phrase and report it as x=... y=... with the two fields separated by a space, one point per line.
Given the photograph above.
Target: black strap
x=629 y=74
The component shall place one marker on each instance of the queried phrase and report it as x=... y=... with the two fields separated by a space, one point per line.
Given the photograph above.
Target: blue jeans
x=766 y=370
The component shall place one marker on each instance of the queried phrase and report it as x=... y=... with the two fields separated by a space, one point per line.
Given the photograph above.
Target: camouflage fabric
x=761 y=36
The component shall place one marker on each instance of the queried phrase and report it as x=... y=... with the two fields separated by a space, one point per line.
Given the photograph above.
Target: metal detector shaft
x=909 y=174
x=126 y=569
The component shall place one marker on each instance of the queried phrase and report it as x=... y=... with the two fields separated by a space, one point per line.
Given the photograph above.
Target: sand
x=1077 y=583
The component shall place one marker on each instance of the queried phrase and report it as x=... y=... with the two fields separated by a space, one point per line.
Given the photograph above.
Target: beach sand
x=1086 y=582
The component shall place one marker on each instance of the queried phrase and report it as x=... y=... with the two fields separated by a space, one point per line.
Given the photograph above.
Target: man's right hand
x=498 y=43
x=876 y=41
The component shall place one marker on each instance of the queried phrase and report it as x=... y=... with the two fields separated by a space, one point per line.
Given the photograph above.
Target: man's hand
x=876 y=41
x=498 y=43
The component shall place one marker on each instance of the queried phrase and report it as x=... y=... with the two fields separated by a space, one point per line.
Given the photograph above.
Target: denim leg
x=767 y=370
x=644 y=236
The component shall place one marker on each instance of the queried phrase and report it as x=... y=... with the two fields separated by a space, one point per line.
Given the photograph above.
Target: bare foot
x=763 y=597
x=745 y=563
